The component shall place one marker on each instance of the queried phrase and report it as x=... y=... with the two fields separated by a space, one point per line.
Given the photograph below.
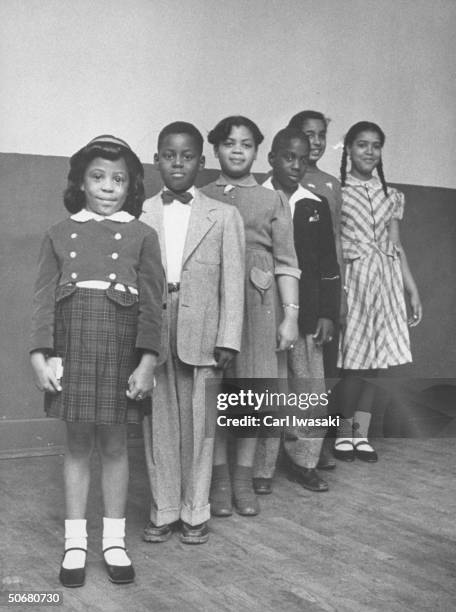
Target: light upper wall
x=73 y=69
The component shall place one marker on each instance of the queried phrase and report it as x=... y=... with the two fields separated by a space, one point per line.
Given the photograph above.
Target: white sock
x=114 y=535
x=365 y=446
x=343 y=444
x=75 y=537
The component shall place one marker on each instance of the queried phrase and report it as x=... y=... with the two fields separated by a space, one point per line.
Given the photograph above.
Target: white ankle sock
x=75 y=537
x=365 y=446
x=114 y=535
x=343 y=444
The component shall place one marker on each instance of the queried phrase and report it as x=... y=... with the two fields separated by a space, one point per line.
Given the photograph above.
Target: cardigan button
x=117 y=236
x=115 y=255
x=74 y=275
x=73 y=254
x=112 y=276
x=74 y=235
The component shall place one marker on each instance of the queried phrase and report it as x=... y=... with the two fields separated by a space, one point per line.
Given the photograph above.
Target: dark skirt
x=95 y=334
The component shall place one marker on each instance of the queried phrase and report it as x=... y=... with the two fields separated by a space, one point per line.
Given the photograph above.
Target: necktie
x=168 y=196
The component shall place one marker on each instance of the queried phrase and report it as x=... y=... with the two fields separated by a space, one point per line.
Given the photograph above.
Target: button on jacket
x=81 y=249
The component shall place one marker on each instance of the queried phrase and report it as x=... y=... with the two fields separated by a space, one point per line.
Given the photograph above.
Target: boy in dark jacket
x=319 y=296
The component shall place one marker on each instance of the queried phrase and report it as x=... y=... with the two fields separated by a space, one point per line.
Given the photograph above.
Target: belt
x=96 y=284
x=172 y=287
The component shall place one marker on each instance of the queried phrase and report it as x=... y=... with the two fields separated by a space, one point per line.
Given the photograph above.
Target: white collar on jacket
x=121 y=216
x=299 y=194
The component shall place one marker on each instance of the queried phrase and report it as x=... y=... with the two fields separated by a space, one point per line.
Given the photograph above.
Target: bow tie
x=168 y=196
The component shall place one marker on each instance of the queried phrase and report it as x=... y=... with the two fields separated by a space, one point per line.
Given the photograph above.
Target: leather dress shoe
x=194 y=534
x=72 y=577
x=245 y=507
x=262 y=486
x=344 y=455
x=220 y=495
x=119 y=574
x=155 y=534
x=365 y=455
x=308 y=478
x=326 y=462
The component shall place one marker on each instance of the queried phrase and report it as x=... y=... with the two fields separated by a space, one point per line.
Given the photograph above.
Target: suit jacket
x=319 y=286
x=211 y=297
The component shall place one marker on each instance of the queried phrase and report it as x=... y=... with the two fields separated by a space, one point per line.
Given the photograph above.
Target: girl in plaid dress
x=97 y=311
x=376 y=273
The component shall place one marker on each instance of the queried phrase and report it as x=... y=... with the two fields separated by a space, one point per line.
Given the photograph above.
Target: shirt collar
x=299 y=194
x=246 y=181
x=373 y=182
x=121 y=216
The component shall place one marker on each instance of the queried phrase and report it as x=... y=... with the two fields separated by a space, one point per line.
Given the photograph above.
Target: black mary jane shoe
x=365 y=455
x=194 y=534
x=344 y=455
x=119 y=574
x=262 y=486
x=72 y=578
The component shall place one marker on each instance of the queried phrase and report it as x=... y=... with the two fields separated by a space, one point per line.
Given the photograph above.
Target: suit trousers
x=179 y=437
x=306 y=372
x=302 y=444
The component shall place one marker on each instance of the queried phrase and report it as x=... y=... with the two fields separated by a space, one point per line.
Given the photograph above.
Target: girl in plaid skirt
x=97 y=313
x=376 y=273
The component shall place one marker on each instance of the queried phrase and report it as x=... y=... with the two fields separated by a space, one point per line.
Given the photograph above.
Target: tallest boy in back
x=202 y=244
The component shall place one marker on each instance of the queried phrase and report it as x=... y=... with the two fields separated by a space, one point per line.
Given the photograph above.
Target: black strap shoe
x=344 y=455
x=119 y=574
x=72 y=578
x=368 y=455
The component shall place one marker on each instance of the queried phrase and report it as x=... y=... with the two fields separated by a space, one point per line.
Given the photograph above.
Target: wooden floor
x=383 y=538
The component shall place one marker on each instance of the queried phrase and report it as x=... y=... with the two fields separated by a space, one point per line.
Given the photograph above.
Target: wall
x=71 y=70
x=31 y=200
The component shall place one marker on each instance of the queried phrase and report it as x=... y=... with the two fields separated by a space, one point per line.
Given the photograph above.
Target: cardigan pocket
x=123 y=298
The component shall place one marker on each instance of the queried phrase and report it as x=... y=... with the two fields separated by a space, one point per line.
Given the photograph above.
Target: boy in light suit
x=202 y=243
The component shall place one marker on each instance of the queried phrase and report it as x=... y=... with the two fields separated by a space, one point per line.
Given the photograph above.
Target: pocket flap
x=123 y=298
x=63 y=291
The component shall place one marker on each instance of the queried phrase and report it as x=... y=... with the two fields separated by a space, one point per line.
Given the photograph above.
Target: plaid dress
x=95 y=334
x=376 y=335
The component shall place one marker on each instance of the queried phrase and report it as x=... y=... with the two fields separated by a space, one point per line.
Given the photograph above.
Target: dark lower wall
x=31 y=200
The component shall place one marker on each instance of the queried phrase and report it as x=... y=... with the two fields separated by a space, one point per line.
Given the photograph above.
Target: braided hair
x=362 y=126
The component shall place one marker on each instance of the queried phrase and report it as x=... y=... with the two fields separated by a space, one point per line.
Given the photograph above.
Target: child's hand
x=417 y=309
x=324 y=331
x=141 y=381
x=223 y=356
x=45 y=378
x=287 y=334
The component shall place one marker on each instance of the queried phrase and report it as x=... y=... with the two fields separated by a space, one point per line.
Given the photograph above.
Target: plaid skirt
x=95 y=335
